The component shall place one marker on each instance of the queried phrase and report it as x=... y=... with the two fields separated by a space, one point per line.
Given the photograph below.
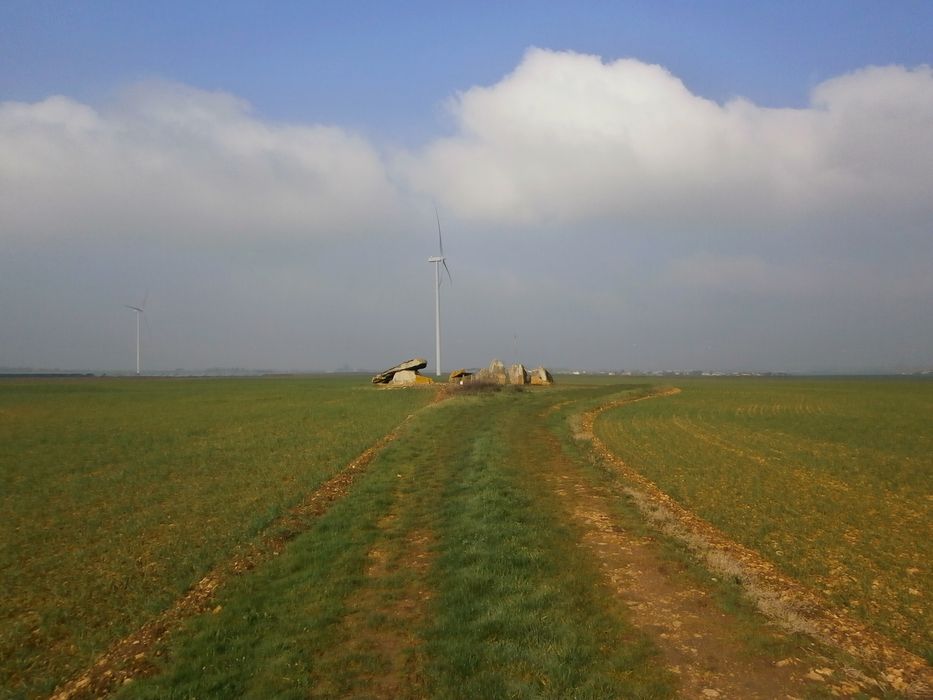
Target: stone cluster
x=516 y=374
x=407 y=373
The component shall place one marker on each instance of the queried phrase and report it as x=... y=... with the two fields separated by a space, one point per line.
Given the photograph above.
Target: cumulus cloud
x=180 y=163
x=675 y=230
x=567 y=138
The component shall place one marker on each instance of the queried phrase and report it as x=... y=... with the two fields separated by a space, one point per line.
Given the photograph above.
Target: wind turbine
x=438 y=260
x=139 y=311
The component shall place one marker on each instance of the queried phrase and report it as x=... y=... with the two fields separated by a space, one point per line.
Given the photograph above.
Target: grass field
x=456 y=564
x=831 y=479
x=448 y=573
x=118 y=494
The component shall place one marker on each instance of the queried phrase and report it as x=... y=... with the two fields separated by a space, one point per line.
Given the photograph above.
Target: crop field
x=831 y=479
x=118 y=495
x=446 y=542
x=480 y=549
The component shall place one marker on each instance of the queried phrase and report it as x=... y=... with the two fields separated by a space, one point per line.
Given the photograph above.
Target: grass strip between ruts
x=516 y=608
x=520 y=610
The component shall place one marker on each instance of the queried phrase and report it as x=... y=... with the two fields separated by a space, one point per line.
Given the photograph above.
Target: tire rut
x=131 y=656
x=692 y=633
x=780 y=598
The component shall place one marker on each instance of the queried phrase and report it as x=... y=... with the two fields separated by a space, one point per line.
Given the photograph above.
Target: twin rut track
x=779 y=597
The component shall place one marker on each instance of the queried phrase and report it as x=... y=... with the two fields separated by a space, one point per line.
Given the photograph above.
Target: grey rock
x=414 y=364
x=404 y=376
x=517 y=374
x=495 y=372
x=541 y=377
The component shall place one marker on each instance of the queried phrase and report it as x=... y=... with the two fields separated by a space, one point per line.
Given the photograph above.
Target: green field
x=832 y=479
x=117 y=495
x=447 y=573
x=456 y=564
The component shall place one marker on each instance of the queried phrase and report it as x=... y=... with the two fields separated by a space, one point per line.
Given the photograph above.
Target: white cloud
x=567 y=138
x=177 y=163
x=801 y=224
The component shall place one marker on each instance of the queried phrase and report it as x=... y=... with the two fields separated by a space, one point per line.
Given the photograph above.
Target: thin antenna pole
x=437 y=316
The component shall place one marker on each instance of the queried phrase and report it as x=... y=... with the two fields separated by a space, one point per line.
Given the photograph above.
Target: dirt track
x=699 y=641
x=129 y=657
x=779 y=597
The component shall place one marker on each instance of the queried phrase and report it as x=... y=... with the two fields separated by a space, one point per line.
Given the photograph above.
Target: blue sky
x=383 y=66
x=717 y=185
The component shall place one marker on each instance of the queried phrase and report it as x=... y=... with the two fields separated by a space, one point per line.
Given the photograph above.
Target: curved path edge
x=779 y=597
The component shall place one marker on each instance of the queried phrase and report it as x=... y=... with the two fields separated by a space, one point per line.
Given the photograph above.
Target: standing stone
x=517 y=374
x=405 y=376
x=541 y=377
x=496 y=372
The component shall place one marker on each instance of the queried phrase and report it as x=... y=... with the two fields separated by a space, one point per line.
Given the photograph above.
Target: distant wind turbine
x=139 y=312
x=438 y=260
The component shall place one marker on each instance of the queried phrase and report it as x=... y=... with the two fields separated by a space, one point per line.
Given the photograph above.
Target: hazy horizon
x=720 y=187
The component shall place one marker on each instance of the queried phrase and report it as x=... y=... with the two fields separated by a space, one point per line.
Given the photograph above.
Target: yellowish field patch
x=831 y=480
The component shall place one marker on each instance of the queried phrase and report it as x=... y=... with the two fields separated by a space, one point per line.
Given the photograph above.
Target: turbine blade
x=440 y=240
x=145 y=299
x=135 y=308
x=448 y=273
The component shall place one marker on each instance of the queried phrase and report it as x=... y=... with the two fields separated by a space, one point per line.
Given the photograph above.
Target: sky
x=721 y=186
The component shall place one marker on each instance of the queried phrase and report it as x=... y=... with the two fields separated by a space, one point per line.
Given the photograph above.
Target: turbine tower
x=139 y=312
x=438 y=260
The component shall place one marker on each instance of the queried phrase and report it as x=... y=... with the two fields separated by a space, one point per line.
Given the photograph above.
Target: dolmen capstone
x=460 y=376
x=404 y=373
